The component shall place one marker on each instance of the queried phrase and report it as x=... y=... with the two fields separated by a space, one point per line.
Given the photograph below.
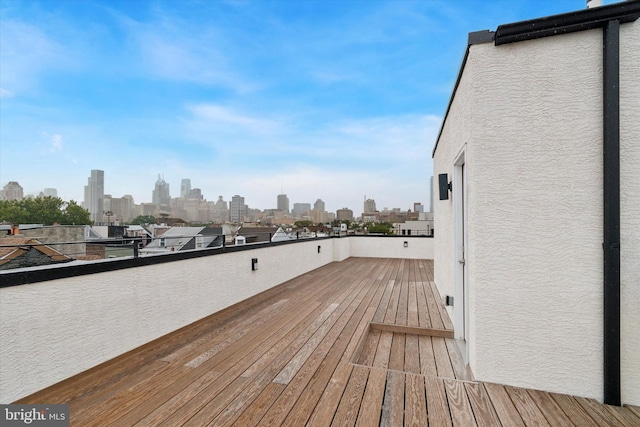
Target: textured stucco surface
x=52 y=330
x=530 y=114
x=630 y=210
x=392 y=247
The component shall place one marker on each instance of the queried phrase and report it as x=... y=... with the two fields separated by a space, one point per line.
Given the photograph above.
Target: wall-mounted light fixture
x=254 y=264
x=444 y=185
x=406 y=244
x=319 y=248
x=448 y=300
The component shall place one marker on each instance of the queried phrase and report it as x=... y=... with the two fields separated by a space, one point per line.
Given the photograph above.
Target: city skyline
x=328 y=100
x=94 y=195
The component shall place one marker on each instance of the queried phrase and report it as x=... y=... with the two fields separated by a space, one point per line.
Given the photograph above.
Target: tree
x=303 y=223
x=43 y=210
x=144 y=219
x=76 y=214
x=382 y=227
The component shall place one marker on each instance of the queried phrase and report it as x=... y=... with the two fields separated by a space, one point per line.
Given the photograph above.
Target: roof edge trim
x=581 y=20
x=475 y=37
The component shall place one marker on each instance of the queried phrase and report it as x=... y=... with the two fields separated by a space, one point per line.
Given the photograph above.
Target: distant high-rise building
x=161 y=196
x=369 y=206
x=50 y=192
x=300 y=209
x=195 y=193
x=283 y=203
x=417 y=207
x=221 y=211
x=12 y=191
x=237 y=210
x=185 y=187
x=122 y=208
x=344 y=214
x=94 y=195
x=319 y=214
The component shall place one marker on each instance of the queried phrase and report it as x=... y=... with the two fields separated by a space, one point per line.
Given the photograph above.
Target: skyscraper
x=94 y=195
x=237 y=210
x=369 y=206
x=319 y=215
x=12 y=191
x=283 y=203
x=300 y=209
x=344 y=214
x=221 y=211
x=50 y=192
x=185 y=187
x=161 y=196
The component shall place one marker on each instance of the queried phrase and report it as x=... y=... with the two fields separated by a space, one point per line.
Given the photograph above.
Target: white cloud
x=27 y=52
x=5 y=93
x=170 y=48
x=216 y=115
x=56 y=143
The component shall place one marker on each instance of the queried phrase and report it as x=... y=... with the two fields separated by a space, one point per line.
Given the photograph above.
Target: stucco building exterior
x=541 y=147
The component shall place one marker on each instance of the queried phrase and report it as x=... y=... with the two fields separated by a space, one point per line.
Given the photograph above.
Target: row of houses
x=37 y=245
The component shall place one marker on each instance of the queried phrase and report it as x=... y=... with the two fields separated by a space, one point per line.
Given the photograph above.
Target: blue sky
x=333 y=99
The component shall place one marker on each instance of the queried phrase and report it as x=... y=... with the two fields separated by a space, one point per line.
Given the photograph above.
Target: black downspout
x=611 y=214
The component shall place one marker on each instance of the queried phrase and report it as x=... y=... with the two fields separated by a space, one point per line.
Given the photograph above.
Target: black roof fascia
x=565 y=23
x=476 y=37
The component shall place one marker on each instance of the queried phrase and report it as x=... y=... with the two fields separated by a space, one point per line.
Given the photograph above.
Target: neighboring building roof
x=184 y=238
x=280 y=236
x=7 y=226
x=256 y=234
x=12 y=248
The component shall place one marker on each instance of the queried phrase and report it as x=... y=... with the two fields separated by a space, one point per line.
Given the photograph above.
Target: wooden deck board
x=437 y=404
x=459 y=406
x=550 y=409
x=529 y=411
x=484 y=413
x=393 y=406
x=371 y=406
x=573 y=409
x=415 y=408
x=427 y=358
x=598 y=412
x=347 y=412
x=506 y=411
x=359 y=342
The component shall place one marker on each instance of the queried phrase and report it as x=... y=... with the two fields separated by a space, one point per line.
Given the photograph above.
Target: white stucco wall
x=52 y=330
x=455 y=134
x=630 y=211
x=530 y=114
x=391 y=247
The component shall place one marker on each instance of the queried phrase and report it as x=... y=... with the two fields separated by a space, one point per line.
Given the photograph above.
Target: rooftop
x=364 y=341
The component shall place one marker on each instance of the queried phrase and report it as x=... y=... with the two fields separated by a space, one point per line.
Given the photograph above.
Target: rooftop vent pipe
x=593 y=3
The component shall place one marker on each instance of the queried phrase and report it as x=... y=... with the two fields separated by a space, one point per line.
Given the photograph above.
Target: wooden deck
x=362 y=342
